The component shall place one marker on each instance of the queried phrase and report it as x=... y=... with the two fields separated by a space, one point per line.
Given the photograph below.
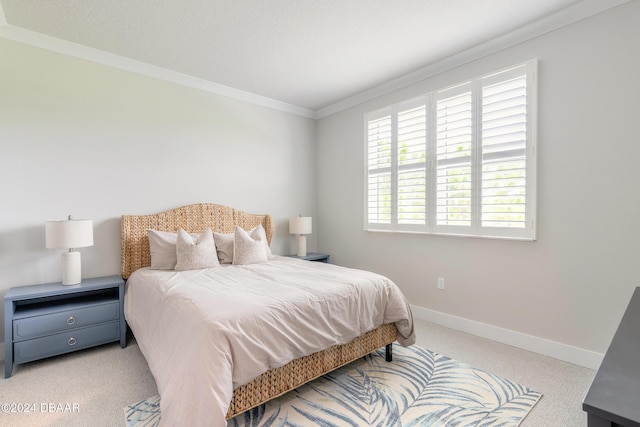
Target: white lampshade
x=69 y=234
x=74 y=233
x=300 y=225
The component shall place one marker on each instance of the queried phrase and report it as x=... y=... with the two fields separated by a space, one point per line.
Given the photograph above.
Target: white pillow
x=162 y=247
x=193 y=256
x=251 y=247
x=224 y=246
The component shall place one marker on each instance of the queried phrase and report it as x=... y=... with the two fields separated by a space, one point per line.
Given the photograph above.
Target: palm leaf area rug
x=419 y=388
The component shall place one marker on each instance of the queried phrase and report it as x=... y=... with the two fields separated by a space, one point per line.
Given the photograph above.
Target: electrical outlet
x=441 y=283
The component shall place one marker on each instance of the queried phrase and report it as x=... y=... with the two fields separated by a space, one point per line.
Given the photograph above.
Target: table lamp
x=300 y=225
x=69 y=234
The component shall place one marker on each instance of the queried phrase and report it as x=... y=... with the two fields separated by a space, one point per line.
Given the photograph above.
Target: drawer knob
x=71 y=320
x=72 y=341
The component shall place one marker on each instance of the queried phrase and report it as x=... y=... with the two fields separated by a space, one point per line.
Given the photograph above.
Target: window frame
x=475 y=229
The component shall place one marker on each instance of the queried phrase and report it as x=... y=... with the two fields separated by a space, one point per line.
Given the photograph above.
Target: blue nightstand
x=312 y=256
x=51 y=319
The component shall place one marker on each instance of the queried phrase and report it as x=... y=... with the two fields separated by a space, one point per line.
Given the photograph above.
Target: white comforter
x=205 y=332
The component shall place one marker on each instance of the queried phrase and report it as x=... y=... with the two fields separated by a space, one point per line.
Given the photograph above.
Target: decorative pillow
x=162 y=247
x=193 y=256
x=250 y=247
x=224 y=246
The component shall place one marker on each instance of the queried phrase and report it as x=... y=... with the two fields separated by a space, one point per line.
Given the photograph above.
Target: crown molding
x=33 y=38
x=569 y=15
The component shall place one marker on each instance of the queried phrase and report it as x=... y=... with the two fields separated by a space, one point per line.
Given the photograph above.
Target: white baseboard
x=575 y=355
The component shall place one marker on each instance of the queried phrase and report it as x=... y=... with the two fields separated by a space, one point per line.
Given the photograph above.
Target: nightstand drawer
x=38 y=348
x=73 y=318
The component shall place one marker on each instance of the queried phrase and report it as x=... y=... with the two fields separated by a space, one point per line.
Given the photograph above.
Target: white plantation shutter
x=457 y=161
x=504 y=144
x=411 y=163
x=454 y=139
x=379 y=170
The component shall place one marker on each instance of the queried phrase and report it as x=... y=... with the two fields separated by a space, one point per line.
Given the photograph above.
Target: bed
x=206 y=377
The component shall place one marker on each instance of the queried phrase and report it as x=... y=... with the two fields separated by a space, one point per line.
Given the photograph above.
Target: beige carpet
x=103 y=380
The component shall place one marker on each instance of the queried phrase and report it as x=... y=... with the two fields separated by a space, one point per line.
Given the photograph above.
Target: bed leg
x=388 y=353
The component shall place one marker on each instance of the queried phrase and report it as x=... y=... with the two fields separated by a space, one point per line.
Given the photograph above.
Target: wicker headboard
x=192 y=218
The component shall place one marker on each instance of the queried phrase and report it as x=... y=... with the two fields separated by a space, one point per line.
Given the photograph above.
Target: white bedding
x=205 y=332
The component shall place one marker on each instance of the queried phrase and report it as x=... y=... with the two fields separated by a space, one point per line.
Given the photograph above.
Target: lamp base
x=302 y=245
x=71 y=265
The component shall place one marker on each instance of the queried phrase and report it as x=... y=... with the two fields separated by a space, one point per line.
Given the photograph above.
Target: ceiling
x=311 y=55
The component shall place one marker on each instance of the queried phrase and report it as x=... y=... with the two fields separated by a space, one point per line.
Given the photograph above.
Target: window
x=456 y=161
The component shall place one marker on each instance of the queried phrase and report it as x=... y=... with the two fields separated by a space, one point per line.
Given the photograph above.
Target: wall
x=96 y=142
x=569 y=287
